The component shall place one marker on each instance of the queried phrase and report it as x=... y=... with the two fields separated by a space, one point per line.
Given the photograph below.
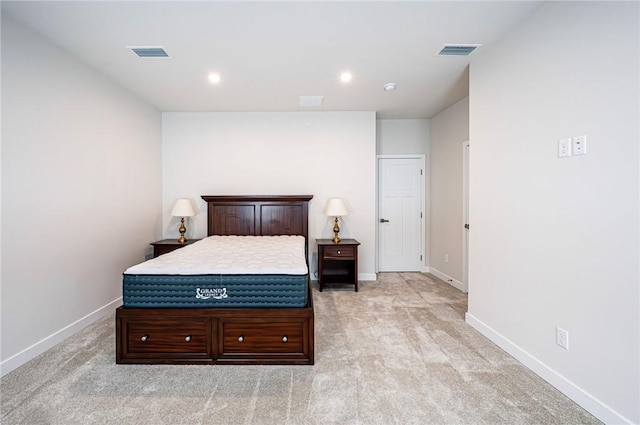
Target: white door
x=465 y=217
x=401 y=219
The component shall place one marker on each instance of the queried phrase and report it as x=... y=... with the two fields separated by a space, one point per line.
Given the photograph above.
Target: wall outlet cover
x=564 y=148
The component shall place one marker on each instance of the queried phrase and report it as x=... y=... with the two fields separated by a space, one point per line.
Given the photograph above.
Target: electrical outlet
x=446 y=258
x=564 y=148
x=562 y=338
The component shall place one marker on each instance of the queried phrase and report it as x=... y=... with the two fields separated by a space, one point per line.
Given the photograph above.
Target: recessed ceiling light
x=214 y=78
x=346 y=77
x=390 y=87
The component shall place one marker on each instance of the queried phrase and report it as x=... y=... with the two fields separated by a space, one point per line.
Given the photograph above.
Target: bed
x=216 y=328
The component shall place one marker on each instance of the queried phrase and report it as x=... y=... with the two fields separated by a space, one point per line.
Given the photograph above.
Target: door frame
x=424 y=247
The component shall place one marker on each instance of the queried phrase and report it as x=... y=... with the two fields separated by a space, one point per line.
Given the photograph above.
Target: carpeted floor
x=397 y=352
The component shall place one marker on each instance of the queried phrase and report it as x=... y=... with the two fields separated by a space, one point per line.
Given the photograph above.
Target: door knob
x=384 y=220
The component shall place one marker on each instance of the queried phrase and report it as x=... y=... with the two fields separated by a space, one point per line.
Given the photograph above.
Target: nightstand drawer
x=337 y=252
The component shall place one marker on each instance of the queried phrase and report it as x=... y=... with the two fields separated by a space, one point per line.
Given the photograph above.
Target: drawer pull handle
x=241 y=338
x=187 y=338
x=339 y=252
x=144 y=338
x=285 y=339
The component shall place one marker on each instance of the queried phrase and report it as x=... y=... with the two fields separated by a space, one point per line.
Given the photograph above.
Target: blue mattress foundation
x=198 y=291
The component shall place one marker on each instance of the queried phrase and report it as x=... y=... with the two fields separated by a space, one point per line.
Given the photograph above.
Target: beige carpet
x=397 y=352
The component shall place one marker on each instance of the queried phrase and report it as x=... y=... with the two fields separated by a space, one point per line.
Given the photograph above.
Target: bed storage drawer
x=170 y=337
x=258 y=338
x=164 y=338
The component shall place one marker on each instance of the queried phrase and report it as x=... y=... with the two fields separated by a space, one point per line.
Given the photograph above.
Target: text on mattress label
x=215 y=293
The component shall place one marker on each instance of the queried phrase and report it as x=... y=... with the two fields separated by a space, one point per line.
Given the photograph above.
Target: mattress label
x=215 y=293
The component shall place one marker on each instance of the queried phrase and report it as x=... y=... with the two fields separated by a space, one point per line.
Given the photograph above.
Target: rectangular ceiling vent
x=458 y=49
x=310 y=101
x=149 y=52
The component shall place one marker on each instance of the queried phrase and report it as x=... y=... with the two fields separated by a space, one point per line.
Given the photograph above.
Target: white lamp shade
x=336 y=208
x=183 y=207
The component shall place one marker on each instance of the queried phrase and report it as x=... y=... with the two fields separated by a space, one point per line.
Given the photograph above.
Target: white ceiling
x=269 y=53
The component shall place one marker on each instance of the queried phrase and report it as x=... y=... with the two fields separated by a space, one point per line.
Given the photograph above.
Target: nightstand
x=338 y=262
x=168 y=245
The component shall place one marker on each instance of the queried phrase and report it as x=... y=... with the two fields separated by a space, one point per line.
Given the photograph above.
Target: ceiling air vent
x=149 y=52
x=458 y=49
x=308 y=101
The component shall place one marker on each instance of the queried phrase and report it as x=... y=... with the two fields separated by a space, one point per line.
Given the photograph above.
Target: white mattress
x=231 y=255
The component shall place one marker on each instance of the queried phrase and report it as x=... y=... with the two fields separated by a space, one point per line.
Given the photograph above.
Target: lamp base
x=336 y=230
x=182 y=230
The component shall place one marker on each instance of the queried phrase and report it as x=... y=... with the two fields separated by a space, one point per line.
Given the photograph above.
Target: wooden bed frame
x=226 y=335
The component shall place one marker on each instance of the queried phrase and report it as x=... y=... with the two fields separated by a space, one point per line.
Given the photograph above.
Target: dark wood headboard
x=263 y=215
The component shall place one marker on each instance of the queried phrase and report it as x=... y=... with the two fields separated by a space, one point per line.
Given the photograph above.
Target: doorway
x=401 y=213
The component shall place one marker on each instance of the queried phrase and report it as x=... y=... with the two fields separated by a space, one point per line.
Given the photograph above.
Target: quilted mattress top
x=231 y=255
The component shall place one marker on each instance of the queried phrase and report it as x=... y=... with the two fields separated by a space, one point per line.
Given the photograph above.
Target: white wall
x=555 y=241
x=406 y=136
x=324 y=154
x=81 y=192
x=449 y=129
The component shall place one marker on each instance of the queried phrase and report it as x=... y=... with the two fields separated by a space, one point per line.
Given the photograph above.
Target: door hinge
x=421 y=258
x=421 y=171
x=420 y=215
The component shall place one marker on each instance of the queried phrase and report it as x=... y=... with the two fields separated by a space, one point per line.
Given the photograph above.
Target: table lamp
x=182 y=208
x=336 y=208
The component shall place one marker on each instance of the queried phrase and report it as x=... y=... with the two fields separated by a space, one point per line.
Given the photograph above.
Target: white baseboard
x=451 y=281
x=43 y=345
x=568 y=388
